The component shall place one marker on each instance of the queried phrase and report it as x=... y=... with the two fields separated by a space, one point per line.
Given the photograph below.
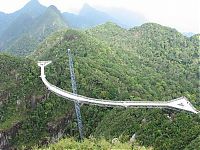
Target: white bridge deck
x=180 y=103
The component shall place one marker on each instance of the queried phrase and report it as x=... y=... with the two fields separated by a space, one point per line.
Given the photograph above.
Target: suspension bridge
x=180 y=103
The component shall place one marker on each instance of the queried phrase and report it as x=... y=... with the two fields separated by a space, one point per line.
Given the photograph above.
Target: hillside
x=32 y=24
x=87 y=17
x=35 y=32
x=92 y=143
x=22 y=31
x=32 y=8
x=16 y=23
x=166 y=74
x=26 y=106
x=150 y=62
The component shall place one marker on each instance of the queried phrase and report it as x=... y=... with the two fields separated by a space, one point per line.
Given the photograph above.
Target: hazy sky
x=184 y=15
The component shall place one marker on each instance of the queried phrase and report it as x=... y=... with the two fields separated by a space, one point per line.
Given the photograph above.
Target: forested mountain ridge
x=16 y=29
x=32 y=8
x=160 y=48
x=22 y=101
x=142 y=63
x=159 y=68
x=25 y=34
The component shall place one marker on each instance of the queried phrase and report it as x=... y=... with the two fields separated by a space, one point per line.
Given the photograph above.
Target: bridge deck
x=180 y=103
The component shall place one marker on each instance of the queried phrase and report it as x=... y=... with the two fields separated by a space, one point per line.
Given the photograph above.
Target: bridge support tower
x=74 y=89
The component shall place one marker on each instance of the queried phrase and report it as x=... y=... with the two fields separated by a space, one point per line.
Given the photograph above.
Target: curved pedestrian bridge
x=180 y=103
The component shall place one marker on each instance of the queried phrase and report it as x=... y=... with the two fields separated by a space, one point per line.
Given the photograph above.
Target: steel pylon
x=74 y=89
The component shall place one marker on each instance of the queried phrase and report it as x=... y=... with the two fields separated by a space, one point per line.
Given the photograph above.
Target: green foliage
x=34 y=128
x=19 y=83
x=23 y=46
x=150 y=62
x=90 y=144
x=16 y=76
x=194 y=145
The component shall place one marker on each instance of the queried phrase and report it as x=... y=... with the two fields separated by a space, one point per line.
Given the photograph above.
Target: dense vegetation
x=91 y=144
x=169 y=64
x=150 y=62
x=25 y=100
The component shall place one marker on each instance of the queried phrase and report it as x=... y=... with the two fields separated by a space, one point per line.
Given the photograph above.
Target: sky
x=184 y=15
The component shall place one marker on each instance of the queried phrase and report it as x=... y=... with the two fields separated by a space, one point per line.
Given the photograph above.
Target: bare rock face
x=57 y=128
x=4 y=97
x=115 y=141
x=6 y=135
x=133 y=138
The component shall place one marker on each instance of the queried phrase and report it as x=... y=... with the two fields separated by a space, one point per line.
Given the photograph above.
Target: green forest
x=149 y=62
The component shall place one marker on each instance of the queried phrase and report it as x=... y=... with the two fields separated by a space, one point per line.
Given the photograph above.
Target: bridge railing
x=99 y=100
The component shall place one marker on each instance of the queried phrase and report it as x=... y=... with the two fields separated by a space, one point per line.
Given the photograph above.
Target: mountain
x=18 y=27
x=32 y=8
x=126 y=18
x=94 y=16
x=26 y=32
x=5 y=20
x=23 y=30
x=87 y=17
x=48 y=23
x=149 y=62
